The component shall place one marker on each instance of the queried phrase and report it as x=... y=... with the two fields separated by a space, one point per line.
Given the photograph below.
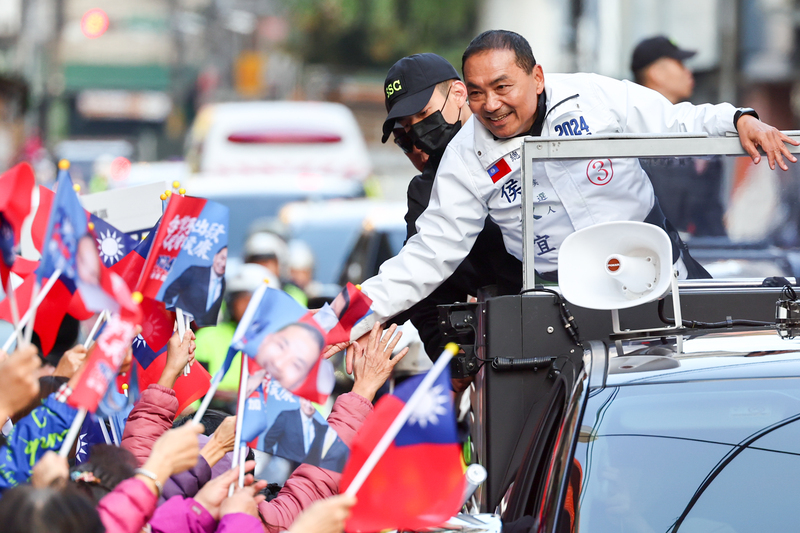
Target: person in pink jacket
x=154 y=414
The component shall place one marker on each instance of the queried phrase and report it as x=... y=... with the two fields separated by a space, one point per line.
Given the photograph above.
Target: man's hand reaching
x=754 y=134
x=372 y=363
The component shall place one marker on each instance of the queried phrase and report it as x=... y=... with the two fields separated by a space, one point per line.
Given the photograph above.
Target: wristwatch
x=743 y=111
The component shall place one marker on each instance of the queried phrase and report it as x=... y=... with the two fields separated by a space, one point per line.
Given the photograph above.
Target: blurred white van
x=284 y=137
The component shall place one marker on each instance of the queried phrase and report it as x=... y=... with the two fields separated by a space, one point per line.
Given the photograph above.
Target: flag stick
x=183 y=325
x=90 y=338
x=237 y=443
x=32 y=310
x=32 y=319
x=74 y=429
x=114 y=429
x=12 y=300
x=246 y=319
x=242 y=457
x=215 y=381
x=104 y=429
x=401 y=419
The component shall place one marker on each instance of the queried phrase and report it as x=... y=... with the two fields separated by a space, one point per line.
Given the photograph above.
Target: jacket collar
x=489 y=150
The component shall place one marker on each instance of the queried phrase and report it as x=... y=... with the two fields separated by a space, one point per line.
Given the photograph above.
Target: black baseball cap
x=653 y=49
x=409 y=86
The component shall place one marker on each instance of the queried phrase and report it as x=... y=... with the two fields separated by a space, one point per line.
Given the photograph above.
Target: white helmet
x=266 y=245
x=300 y=255
x=249 y=277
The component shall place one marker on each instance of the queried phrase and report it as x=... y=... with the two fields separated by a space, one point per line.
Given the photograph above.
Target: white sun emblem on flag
x=430 y=408
x=138 y=341
x=110 y=247
x=80 y=449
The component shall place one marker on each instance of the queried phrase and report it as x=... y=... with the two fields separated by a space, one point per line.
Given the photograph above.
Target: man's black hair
x=502 y=40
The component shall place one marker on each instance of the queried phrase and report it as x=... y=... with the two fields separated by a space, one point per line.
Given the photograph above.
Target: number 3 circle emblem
x=600 y=171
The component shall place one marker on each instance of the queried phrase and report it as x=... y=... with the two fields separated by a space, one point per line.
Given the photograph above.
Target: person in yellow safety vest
x=213 y=342
x=270 y=250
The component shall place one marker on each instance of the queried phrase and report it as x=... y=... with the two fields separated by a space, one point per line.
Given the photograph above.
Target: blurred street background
x=138 y=91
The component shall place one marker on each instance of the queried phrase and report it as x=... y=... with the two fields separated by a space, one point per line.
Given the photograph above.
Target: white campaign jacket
x=480 y=176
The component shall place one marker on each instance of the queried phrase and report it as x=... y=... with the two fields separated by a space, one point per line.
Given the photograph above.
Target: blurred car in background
x=266 y=138
x=254 y=201
x=724 y=259
x=347 y=236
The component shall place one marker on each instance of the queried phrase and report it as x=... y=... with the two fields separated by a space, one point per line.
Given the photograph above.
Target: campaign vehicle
x=625 y=400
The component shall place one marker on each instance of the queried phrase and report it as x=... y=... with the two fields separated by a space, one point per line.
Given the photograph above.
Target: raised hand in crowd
x=175 y=451
x=215 y=492
x=221 y=442
x=71 y=361
x=324 y=516
x=19 y=381
x=371 y=363
x=244 y=500
x=51 y=470
x=180 y=352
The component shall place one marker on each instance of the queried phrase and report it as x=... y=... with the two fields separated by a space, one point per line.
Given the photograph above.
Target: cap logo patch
x=393 y=87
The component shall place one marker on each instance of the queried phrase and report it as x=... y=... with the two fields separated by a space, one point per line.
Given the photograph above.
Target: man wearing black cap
x=426 y=102
x=480 y=173
x=657 y=63
x=687 y=188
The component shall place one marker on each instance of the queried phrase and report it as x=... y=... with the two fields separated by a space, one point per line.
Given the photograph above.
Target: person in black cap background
x=688 y=189
x=657 y=63
x=426 y=104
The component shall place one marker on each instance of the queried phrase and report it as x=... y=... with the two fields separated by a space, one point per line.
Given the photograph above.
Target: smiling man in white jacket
x=480 y=172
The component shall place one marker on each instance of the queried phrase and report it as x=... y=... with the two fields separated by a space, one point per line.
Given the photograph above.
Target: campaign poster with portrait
x=279 y=423
x=186 y=265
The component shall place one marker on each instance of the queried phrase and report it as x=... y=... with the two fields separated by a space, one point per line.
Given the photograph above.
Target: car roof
x=717 y=356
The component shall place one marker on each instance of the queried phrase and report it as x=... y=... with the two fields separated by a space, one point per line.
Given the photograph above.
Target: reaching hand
x=754 y=133
x=221 y=442
x=332 y=349
x=51 y=470
x=19 y=382
x=372 y=365
x=179 y=354
x=213 y=493
x=324 y=516
x=71 y=361
x=245 y=499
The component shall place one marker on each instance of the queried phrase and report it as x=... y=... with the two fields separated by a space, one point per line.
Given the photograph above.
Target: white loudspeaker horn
x=615 y=265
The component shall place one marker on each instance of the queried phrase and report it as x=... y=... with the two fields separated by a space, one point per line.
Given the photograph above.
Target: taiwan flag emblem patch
x=499 y=170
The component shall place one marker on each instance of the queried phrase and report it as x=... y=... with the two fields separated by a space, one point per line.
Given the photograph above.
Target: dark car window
x=720 y=456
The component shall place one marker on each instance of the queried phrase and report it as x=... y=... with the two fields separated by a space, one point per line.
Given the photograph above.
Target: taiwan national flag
x=421 y=473
x=16 y=187
x=112 y=244
x=185 y=268
x=499 y=170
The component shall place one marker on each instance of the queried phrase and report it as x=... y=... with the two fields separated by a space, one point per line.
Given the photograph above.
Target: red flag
x=421 y=473
x=104 y=362
x=39 y=225
x=23 y=267
x=157 y=323
x=16 y=187
x=187 y=389
x=51 y=311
